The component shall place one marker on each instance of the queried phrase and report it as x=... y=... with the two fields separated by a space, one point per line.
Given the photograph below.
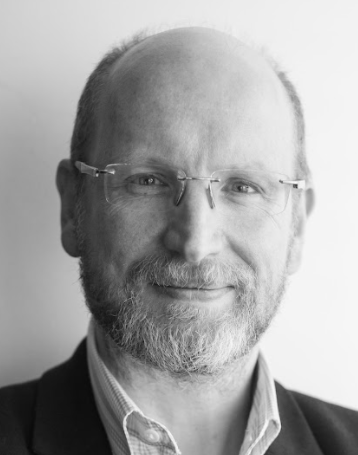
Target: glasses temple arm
x=297 y=184
x=90 y=170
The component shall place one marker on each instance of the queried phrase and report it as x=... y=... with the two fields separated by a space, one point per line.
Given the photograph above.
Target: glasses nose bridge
x=185 y=178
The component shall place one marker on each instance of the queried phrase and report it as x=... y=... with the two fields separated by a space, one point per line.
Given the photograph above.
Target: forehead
x=203 y=106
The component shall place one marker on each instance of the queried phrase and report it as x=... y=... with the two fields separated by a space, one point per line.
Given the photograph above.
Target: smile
x=192 y=293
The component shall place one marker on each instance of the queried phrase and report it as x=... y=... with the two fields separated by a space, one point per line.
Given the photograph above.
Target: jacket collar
x=66 y=421
x=296 y=437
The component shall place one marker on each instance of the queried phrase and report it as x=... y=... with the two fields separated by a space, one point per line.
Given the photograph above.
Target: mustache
x=165 y=271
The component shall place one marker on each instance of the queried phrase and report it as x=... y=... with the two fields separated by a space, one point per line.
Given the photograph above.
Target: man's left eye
x=242 y=188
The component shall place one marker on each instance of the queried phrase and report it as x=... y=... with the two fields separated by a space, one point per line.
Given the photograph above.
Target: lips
x=194 y=286
x=193 y=293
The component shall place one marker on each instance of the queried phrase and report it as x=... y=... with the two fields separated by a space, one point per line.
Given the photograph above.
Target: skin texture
x=198 y=100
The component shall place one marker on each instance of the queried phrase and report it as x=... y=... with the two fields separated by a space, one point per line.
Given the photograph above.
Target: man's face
x=190 y=289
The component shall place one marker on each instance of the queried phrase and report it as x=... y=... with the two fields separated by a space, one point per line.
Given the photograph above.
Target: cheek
x=276 y=250
x=124 y=237
x=263 y=244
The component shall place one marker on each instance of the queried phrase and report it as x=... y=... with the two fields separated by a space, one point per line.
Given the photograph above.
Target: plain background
x=47 y=50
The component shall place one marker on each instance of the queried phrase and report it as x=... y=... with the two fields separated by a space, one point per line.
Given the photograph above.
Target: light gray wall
x=48 y=49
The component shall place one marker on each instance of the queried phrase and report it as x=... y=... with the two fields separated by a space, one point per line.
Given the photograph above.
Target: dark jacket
x=57 y=415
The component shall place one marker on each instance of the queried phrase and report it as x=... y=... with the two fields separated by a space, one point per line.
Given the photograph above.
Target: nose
x=194 y=230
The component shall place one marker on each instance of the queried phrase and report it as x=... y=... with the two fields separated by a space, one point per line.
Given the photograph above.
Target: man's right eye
x=146 y=184
x=147 y=180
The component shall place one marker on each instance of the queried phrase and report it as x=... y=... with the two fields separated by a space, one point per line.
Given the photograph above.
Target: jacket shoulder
x=334 y=427
x=17 y=409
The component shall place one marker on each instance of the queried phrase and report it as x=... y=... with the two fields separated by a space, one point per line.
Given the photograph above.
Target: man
x=186 y=198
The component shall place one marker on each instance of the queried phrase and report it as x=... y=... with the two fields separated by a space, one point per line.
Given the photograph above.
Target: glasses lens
x=141 y=186
x=250 y=189
x=157 y=188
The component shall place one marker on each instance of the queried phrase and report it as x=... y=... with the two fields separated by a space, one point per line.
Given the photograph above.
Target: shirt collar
x=115 y=406
x=264 y=424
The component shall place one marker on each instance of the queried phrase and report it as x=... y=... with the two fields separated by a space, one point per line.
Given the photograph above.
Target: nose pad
x=211 y=195
x=183 y=180
x=181 y=191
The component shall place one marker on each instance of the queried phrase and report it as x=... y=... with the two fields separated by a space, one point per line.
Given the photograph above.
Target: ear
x=66 y=185
x=304 y=209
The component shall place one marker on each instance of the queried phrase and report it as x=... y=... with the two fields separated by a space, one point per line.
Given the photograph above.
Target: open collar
x=67 y=421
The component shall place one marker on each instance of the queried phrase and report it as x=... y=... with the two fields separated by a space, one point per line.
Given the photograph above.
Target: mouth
x=206 y=293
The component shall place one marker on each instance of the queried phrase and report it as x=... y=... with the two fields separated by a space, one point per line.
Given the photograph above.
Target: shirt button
x=152 y=435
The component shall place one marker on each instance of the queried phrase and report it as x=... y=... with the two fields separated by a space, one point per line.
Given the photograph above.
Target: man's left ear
x=303 y=210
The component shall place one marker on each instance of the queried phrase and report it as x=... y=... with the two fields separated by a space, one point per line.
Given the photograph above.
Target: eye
x=241 y=187
x=146 y=180
x=147 y=184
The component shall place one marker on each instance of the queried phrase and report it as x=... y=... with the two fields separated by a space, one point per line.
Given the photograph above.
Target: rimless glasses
x=161 y=187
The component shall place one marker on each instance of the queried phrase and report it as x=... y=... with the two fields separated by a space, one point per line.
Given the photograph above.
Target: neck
x=204 y=414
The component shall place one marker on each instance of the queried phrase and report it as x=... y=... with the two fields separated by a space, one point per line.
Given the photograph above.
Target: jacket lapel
x=67 y=422
x=296 y=437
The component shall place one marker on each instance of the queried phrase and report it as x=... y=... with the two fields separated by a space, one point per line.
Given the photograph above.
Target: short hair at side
x=88 y=105
x=296 y=104
x=87 y=108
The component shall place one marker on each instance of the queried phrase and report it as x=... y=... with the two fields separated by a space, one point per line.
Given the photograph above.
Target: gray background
x=48 y=49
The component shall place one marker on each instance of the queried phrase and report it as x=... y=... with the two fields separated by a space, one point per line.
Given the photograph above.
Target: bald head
x=188 y=51
x=184 y=74
x=197 y=66
x=194 y=49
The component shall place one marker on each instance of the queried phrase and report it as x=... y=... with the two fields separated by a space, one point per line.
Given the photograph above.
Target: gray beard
x=180 y=339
